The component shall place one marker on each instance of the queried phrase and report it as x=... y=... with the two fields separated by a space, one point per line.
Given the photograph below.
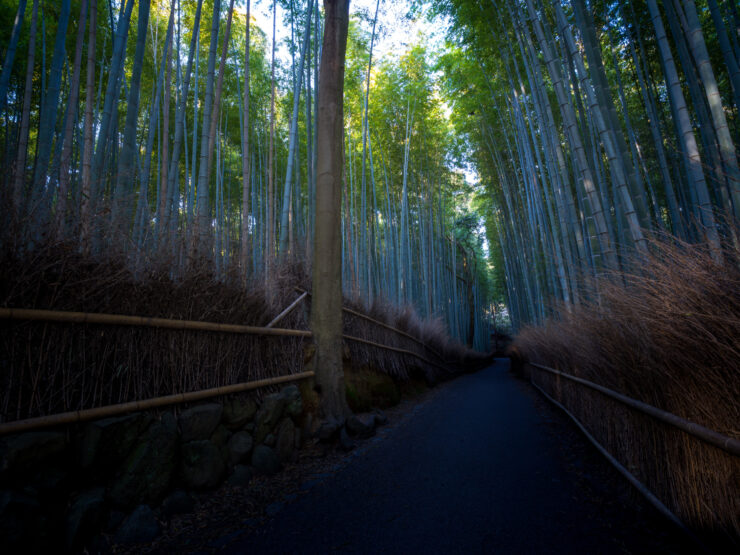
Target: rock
x=50 y=480
x=310 y=426
x=361 y=425
x=285 y=440
x=250 y=427
x=202 y=465
x=84 y=516
x=115 y=519
x=238 y=411
x=268 y=415
x=293 y=400
x=177 y=503
x=345 y=442
x=240 y=445
x=380 y=418
x=270 y=440
x=98 y=544
x=108 y=441
x=242 y=476
x=328 y=429
x=298 y=438
x=19 y=521
x=220 y=438
x=30 y=450
x=199 y=422
x=141 y=526
x=264 y=460
x=147 y=472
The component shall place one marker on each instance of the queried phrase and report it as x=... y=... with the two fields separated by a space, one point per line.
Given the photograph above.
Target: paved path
x=475 y=469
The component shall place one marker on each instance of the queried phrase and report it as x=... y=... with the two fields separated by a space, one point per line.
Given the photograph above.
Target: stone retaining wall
x=59 y=488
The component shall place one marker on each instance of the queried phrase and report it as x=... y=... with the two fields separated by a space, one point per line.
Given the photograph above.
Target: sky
x=393 y=33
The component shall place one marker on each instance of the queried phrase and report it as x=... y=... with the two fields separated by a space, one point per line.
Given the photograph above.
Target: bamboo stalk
x=287 y=311
x=119 y=319
x=725 y=443
x=86 y=415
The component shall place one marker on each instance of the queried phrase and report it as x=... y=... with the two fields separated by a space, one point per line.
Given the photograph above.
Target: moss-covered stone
x=21 y=453
x=285 y=442
x=106 y=442
x=367 y=389
x=202 y=465
x=199 y=422
x=238 y=411
x=146 y=474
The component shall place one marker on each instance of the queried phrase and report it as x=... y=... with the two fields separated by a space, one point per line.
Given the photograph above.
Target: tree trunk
x=326 y=307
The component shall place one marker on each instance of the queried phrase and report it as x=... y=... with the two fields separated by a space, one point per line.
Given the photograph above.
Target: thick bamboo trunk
x=246 y=208
x=285 y=224
x=20 y=164
x=326 y=308
x=714 y=100
x=64 y=175
x=124 y=189
x=571 y=130
x=10 y=54
x=686 y=137
x=203 y=206
x=269 y=251
x=40 y=203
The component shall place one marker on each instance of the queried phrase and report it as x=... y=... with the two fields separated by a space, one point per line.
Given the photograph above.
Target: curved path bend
x=482 y=466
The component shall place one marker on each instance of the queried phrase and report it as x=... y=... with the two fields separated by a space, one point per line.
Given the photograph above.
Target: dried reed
x=667 y=334
x=47 y=368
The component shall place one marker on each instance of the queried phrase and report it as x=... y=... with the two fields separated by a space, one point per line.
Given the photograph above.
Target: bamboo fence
x=36 y=423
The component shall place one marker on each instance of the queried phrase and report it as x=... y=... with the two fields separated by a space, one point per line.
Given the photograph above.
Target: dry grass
x=669 y=336
x=46 y=368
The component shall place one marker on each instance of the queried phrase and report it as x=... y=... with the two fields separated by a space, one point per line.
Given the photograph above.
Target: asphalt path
x=483 y=466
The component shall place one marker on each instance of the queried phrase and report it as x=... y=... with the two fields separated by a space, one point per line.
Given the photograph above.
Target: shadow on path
x=482 y=467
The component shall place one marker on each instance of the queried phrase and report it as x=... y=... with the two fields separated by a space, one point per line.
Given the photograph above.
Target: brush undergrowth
x=46 y=368
x=668 y=335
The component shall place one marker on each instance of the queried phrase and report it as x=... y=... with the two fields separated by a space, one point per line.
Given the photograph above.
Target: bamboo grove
x=170 y=134
x=596 y=125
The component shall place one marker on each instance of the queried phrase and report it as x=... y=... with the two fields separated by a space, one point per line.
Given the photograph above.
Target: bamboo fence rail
x=725 y=443
x=287 y=311
x=729 y=445
x=74 y=417
x=386 y=326
x=123 y=320
x=395 y=349
x=639 y=486
x=141 y=321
